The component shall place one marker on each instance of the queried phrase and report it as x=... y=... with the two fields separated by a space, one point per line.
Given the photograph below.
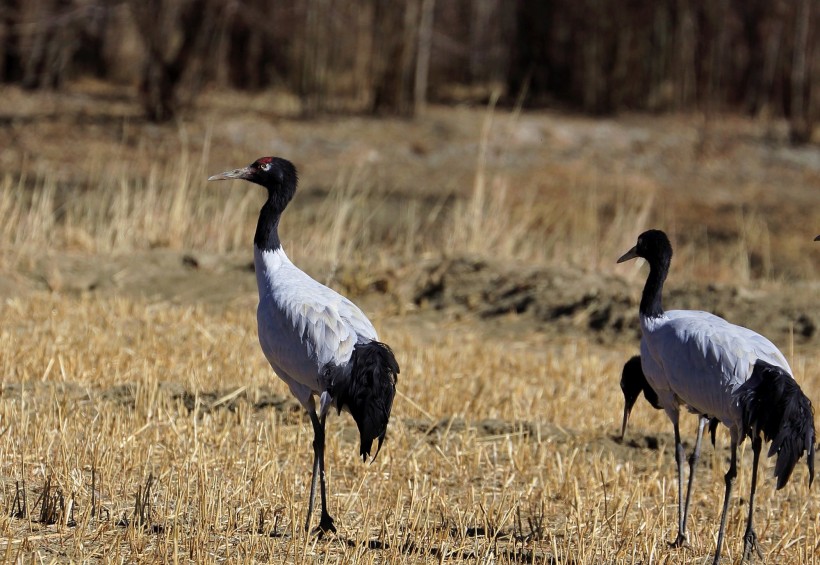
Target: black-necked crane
x=723 y=371
x=316 y=340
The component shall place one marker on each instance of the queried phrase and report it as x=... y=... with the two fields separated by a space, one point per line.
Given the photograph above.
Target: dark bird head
x=653 y=245
x=274 y=173
x=365 y=387
x=817 y=238
x=772 y=403
x=633 y=383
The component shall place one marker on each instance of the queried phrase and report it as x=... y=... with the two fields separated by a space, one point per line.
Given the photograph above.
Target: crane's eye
x=265 y=167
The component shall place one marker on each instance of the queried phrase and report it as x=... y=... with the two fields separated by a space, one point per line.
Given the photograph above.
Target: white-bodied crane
x=722 y=371
x=317 y=341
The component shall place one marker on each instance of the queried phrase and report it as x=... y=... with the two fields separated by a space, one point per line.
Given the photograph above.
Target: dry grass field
x=139 y=421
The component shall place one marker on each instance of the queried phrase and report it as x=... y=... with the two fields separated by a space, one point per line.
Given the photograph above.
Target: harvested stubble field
x=139 y=420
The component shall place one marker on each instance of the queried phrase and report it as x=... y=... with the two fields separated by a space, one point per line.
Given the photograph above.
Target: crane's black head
x=279 y=177
x=817 y=238
x=274 y=173
x=653 y=245
x=633 y=383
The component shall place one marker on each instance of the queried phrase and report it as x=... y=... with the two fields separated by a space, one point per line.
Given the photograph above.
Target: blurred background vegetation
x=756 y=57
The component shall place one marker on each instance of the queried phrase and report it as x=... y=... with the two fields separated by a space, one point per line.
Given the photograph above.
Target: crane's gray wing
x=711 y=341
x=330 y=330
x=329 y=324
x=704 y=356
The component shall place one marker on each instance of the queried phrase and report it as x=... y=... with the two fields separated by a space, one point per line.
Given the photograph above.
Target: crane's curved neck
x=267 y=228
x=651 y=300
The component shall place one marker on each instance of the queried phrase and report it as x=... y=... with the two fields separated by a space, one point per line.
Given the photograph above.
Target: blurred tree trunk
x=240 y=42
x=686 y=71
x=395 y=35
x=480 y=13
x=250 y=56
x=752 y=79
x=317 y=38
x=533 y=66
x=717 y=87
x=593 y=56
x=800 y=127
x=774 y=46
x=172 y=32
x=89 y=56
x=363 y=56
x=52 y=42
x=425 y=47
x=11 y=65
x=410 y=38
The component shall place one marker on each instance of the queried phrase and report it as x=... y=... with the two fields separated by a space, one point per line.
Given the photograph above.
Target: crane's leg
x=325 y=522
x=693 y=462
x=730 y=479
x=679 y=456
x=750 y=537
x=317 y=442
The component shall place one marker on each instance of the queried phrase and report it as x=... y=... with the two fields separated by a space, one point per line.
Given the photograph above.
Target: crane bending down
x=633 y=383
x=722 y=371
x=317 y=341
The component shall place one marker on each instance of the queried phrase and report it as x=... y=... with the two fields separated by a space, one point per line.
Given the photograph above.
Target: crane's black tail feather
x=366 y=387
x=772 y=403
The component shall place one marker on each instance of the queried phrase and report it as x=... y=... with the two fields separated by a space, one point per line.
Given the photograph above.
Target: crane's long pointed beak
x=235 y=174
x=631 y=254
x=627 y=411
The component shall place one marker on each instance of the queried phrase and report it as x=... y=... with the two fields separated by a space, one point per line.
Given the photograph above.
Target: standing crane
x=316 y=340
x=722 y=371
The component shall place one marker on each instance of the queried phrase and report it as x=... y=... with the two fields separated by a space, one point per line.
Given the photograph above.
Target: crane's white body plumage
x=700 y=360
x=304 y=325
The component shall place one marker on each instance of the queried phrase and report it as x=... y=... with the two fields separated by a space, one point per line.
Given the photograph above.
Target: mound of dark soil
x=566 y=300
x=555 y=300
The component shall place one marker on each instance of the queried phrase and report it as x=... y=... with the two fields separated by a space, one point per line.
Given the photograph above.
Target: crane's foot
x=680 y=541
x=325 y=526
x=750 y=544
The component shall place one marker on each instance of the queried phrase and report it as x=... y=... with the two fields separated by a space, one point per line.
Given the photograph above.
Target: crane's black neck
x=267 y=228
x=651 y=300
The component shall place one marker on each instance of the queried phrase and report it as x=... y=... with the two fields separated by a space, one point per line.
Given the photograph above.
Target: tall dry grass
x=132 y=199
